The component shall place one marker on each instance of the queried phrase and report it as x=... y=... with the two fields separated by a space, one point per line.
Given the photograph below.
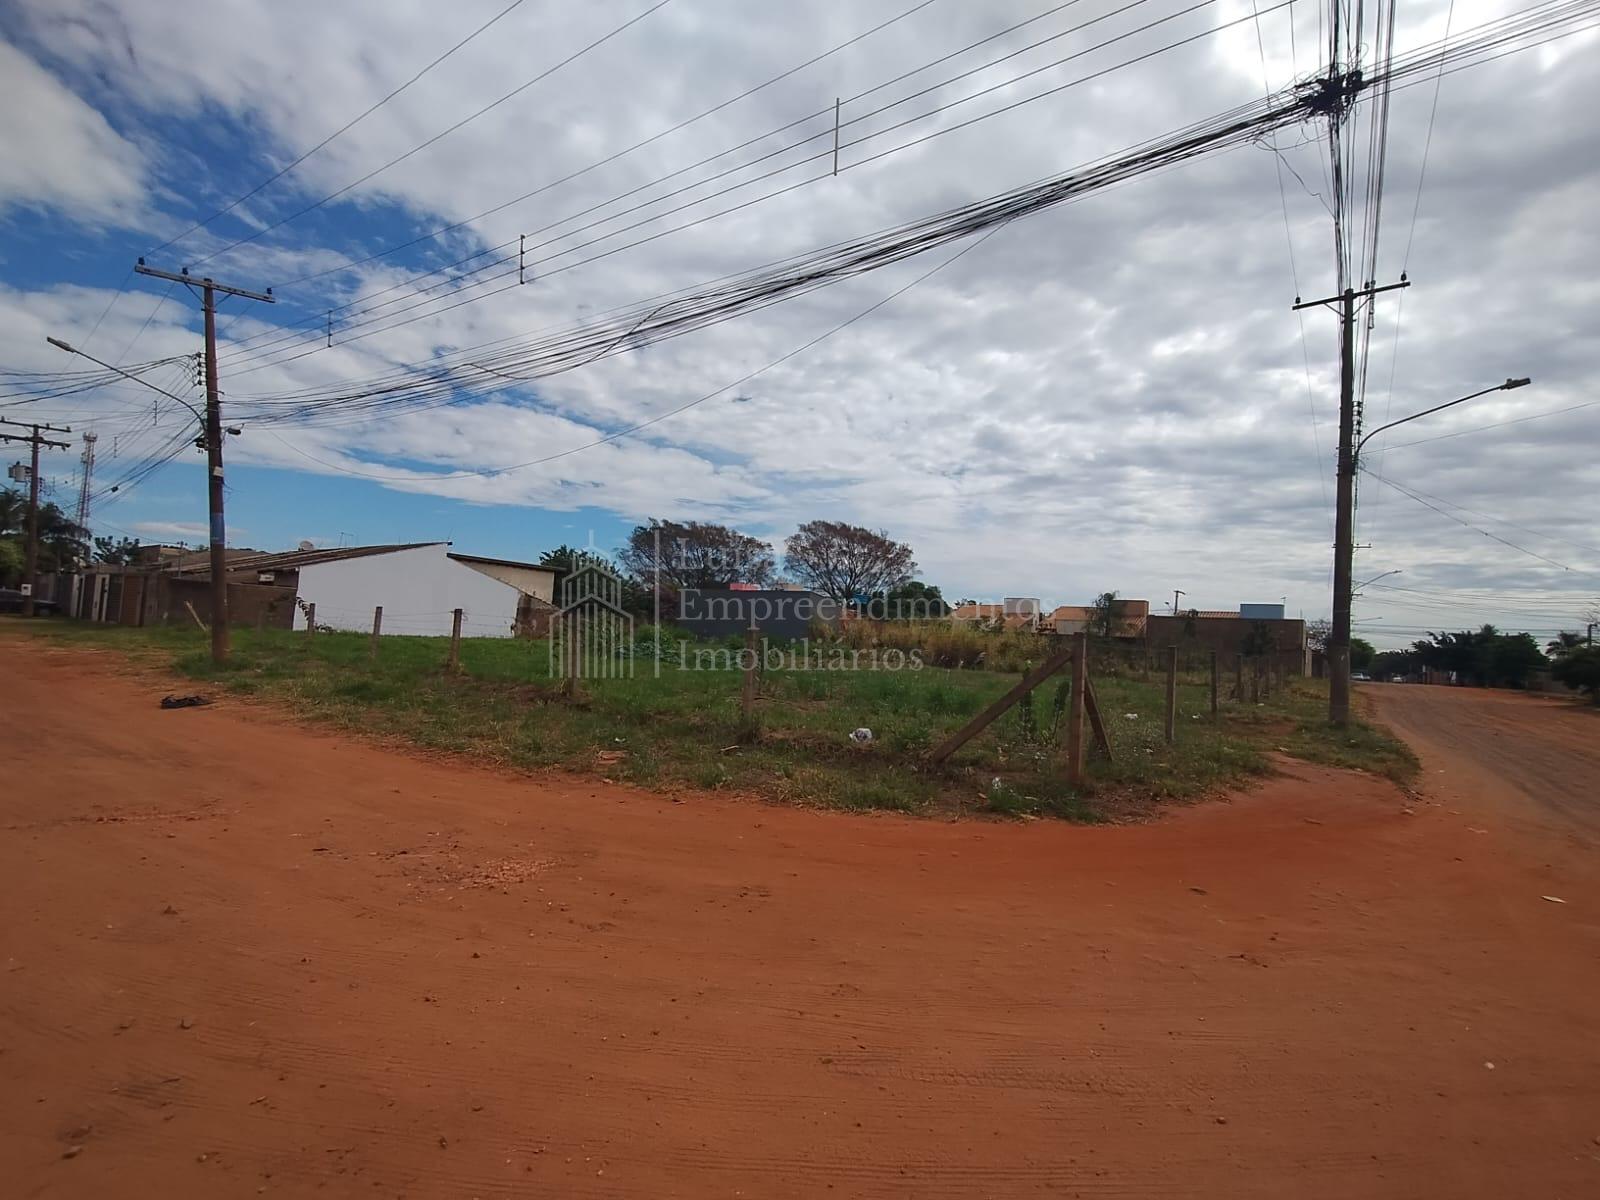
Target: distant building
x=785 y=613
x=1015 y=612
x=418 y=584
x=1226 y=631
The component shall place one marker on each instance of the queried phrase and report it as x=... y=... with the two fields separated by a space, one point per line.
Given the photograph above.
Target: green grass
x=684 y=728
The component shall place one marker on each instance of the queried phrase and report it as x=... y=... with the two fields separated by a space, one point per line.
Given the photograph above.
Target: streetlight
x=1344 y=519
x=1375 y=578
x=71 y=349
x=1508 y=385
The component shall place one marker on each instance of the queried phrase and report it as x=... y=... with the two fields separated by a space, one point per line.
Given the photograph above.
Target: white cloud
x=1112 y=394
x=173 y=529
x=59 y=152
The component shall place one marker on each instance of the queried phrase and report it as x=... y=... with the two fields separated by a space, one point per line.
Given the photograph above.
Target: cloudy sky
x=1110 y=394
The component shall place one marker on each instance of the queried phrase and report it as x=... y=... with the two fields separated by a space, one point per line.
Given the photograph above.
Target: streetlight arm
x=1507 y=386
x=71 y=349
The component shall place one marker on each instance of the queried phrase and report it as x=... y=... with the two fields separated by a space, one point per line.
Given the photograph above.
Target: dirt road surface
x=1533 y=759
x=240 y=957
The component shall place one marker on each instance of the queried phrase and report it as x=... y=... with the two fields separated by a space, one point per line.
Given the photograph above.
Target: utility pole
x=1338 y=645
x=1175 y=594
x=213 y=442
x=35 y=438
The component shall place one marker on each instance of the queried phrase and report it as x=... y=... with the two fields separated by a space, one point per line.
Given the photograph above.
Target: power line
x=343 y=129
x=639 y=145
x=1468 y=524
x=1421 y=56
x=682 y=408
x=519 y=257
x=852 y=258
x=1491 y=517
x=526 y=357
x=787 y=188
x=545 y=74
x=1439 y=437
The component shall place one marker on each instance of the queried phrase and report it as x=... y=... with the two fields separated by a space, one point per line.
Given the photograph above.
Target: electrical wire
x=376 y=171
x=1404 y=491
x=600 y=254
x=1400 y=71
x=823 y=154
x=682 y=408
x=1439 y=437
x=343 y=129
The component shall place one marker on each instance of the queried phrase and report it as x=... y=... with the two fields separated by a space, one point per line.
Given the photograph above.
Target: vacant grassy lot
x=683 y=727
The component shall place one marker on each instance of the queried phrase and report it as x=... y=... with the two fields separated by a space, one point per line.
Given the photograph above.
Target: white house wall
x=418 y=590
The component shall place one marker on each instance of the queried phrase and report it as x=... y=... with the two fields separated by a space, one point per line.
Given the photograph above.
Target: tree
x=1485 y=656
x=13 y=511
x=847 y=562
x=61 y=542
x=564 y=560
x=910 y=601
x=1580 y=668
x=1563 y=642
x=1512 y=658
x=12 y=561
x=119 y=552
x=694 y=554
x=1361 y=654
x=1389 y=663
x=1259 y=639
x=1317 y=634
x=1103 y=620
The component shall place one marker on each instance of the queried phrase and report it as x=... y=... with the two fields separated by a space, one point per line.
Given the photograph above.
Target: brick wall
x=1226 y=635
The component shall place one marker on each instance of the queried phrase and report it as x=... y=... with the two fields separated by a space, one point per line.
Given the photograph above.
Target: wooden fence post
x=1172 y=694
x=454 y=663
x=311 y=618
x=747 y=692
x=1255 y=680
x=988 y=716
x=377 y=628
x=1075 y=709
x=1214 y=705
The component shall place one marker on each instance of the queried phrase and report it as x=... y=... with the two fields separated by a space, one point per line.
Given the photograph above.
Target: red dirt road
x=243 y=958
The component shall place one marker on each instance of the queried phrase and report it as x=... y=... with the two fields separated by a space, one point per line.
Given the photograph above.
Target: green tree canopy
x=1580 y=668
x=1485 y=656
x=119 y=552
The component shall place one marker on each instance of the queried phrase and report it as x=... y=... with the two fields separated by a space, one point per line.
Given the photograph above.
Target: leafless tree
x=845 y=562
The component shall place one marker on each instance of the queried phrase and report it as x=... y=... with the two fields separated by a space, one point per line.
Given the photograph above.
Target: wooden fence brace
x=311 y=618
x=989 y=715
x=204 y=628
x=377 y=628
x=454 y=663
x=1077 y=703
x=747 y=693
x=1097 y=721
